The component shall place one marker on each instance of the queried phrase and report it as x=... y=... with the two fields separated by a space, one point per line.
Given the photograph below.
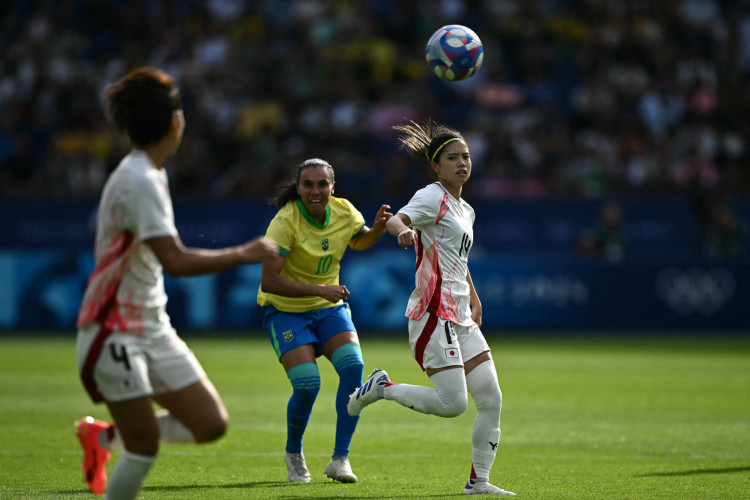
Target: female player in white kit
x=129 y=356
x=444 y=311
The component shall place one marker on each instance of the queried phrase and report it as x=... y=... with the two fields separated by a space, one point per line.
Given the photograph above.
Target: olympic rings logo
x=695 y=290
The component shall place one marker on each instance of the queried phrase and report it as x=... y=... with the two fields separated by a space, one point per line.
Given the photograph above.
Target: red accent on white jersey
x=444 y=227
x=128 y=278
x=100 y=296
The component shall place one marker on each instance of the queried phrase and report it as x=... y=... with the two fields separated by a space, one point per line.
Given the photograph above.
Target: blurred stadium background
x=609 y=140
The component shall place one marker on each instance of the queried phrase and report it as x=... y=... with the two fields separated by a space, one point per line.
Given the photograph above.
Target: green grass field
x=598 y=418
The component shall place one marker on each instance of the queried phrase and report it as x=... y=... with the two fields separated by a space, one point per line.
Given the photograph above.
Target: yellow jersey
x=312 y=250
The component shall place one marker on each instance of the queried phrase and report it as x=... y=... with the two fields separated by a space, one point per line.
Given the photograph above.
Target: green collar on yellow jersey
x=308 y=217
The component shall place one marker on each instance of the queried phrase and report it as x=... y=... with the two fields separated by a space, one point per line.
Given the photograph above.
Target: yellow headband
x=443 y=144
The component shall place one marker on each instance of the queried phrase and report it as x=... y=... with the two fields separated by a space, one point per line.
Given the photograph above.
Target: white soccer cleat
x=368 y=393
x=296 y=468
x=474 y=487
x=338 y=469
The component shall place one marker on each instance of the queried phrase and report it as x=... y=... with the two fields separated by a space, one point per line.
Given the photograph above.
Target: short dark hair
x=142 y=104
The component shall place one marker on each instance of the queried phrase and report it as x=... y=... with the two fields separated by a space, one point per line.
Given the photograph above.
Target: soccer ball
x=454 y=52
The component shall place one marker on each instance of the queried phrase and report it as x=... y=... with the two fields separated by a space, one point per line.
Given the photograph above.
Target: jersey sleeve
x=358 y=220
x=281 y=232
x=153 y=214
x=423 y=207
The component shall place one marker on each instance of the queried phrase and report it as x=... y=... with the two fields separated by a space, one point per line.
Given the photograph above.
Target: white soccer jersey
x=128 y=278
x=445 y=232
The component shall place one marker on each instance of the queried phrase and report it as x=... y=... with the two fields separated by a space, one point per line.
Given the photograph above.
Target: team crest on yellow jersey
x=324 y=244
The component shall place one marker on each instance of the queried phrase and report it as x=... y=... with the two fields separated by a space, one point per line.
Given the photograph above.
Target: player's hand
x=476 y=314
x=381 y=218
x=258 y=249
x=334 y=293
x=407 y=237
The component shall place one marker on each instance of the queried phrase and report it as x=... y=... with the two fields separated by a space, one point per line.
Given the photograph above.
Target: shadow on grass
x=186 y=487
x=284 y=484
x=694 y=472
x=258 y=484
x=172 y=487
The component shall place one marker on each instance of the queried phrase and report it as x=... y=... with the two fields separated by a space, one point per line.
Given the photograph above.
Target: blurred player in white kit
x=129 y=356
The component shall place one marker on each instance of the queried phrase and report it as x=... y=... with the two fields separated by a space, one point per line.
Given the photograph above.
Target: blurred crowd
x=595 y=98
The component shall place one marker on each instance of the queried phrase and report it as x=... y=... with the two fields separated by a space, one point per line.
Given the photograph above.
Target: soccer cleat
x=338 y=469
x=474 y=487
x=296 y=467
x=368 y=393
x=95 y=457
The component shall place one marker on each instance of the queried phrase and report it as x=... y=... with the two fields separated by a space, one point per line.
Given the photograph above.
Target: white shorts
x=117 y=366
x=437 y=343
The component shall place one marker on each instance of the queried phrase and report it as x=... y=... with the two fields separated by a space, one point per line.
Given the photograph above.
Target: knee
x=217 y=429
x=489 y=400
x=456 y=406
x=351 y=376
x=305 y=380
x=308 y=393
x=355 y=367
x=451 y=389
x=212 y=429
x=348 y=363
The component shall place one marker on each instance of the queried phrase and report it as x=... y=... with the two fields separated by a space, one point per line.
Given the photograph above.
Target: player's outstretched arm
x=398 y=226
x=179 y=260
x=368 y=237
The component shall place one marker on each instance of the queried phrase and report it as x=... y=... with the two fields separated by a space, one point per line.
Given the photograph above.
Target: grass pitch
x=583 y=418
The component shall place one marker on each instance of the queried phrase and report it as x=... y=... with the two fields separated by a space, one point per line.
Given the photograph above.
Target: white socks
x=485 y=390
x=130 y=472
x=171 y=430
x=128 y=476
x=447 y=399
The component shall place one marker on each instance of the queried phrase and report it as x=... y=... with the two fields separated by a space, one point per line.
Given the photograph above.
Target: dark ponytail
x=425 y=140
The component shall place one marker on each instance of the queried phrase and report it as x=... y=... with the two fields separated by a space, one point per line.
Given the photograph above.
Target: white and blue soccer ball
x=454 y=52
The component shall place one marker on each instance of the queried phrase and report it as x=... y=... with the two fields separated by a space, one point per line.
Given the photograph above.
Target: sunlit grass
x=598 y=417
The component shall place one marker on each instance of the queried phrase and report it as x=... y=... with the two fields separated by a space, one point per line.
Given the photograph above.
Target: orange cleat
x=95 y=457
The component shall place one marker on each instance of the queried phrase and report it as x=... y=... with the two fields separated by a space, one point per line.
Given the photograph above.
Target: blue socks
x=347 y=361
x=305 y=380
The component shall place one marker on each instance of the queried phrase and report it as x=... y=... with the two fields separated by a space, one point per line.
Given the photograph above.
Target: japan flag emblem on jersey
x=451 y=352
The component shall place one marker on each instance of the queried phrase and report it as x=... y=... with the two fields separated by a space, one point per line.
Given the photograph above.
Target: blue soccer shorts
x=288 y=330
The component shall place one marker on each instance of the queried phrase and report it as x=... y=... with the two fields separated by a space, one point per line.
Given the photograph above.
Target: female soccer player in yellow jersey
x=305 y=310
x=444 y=311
